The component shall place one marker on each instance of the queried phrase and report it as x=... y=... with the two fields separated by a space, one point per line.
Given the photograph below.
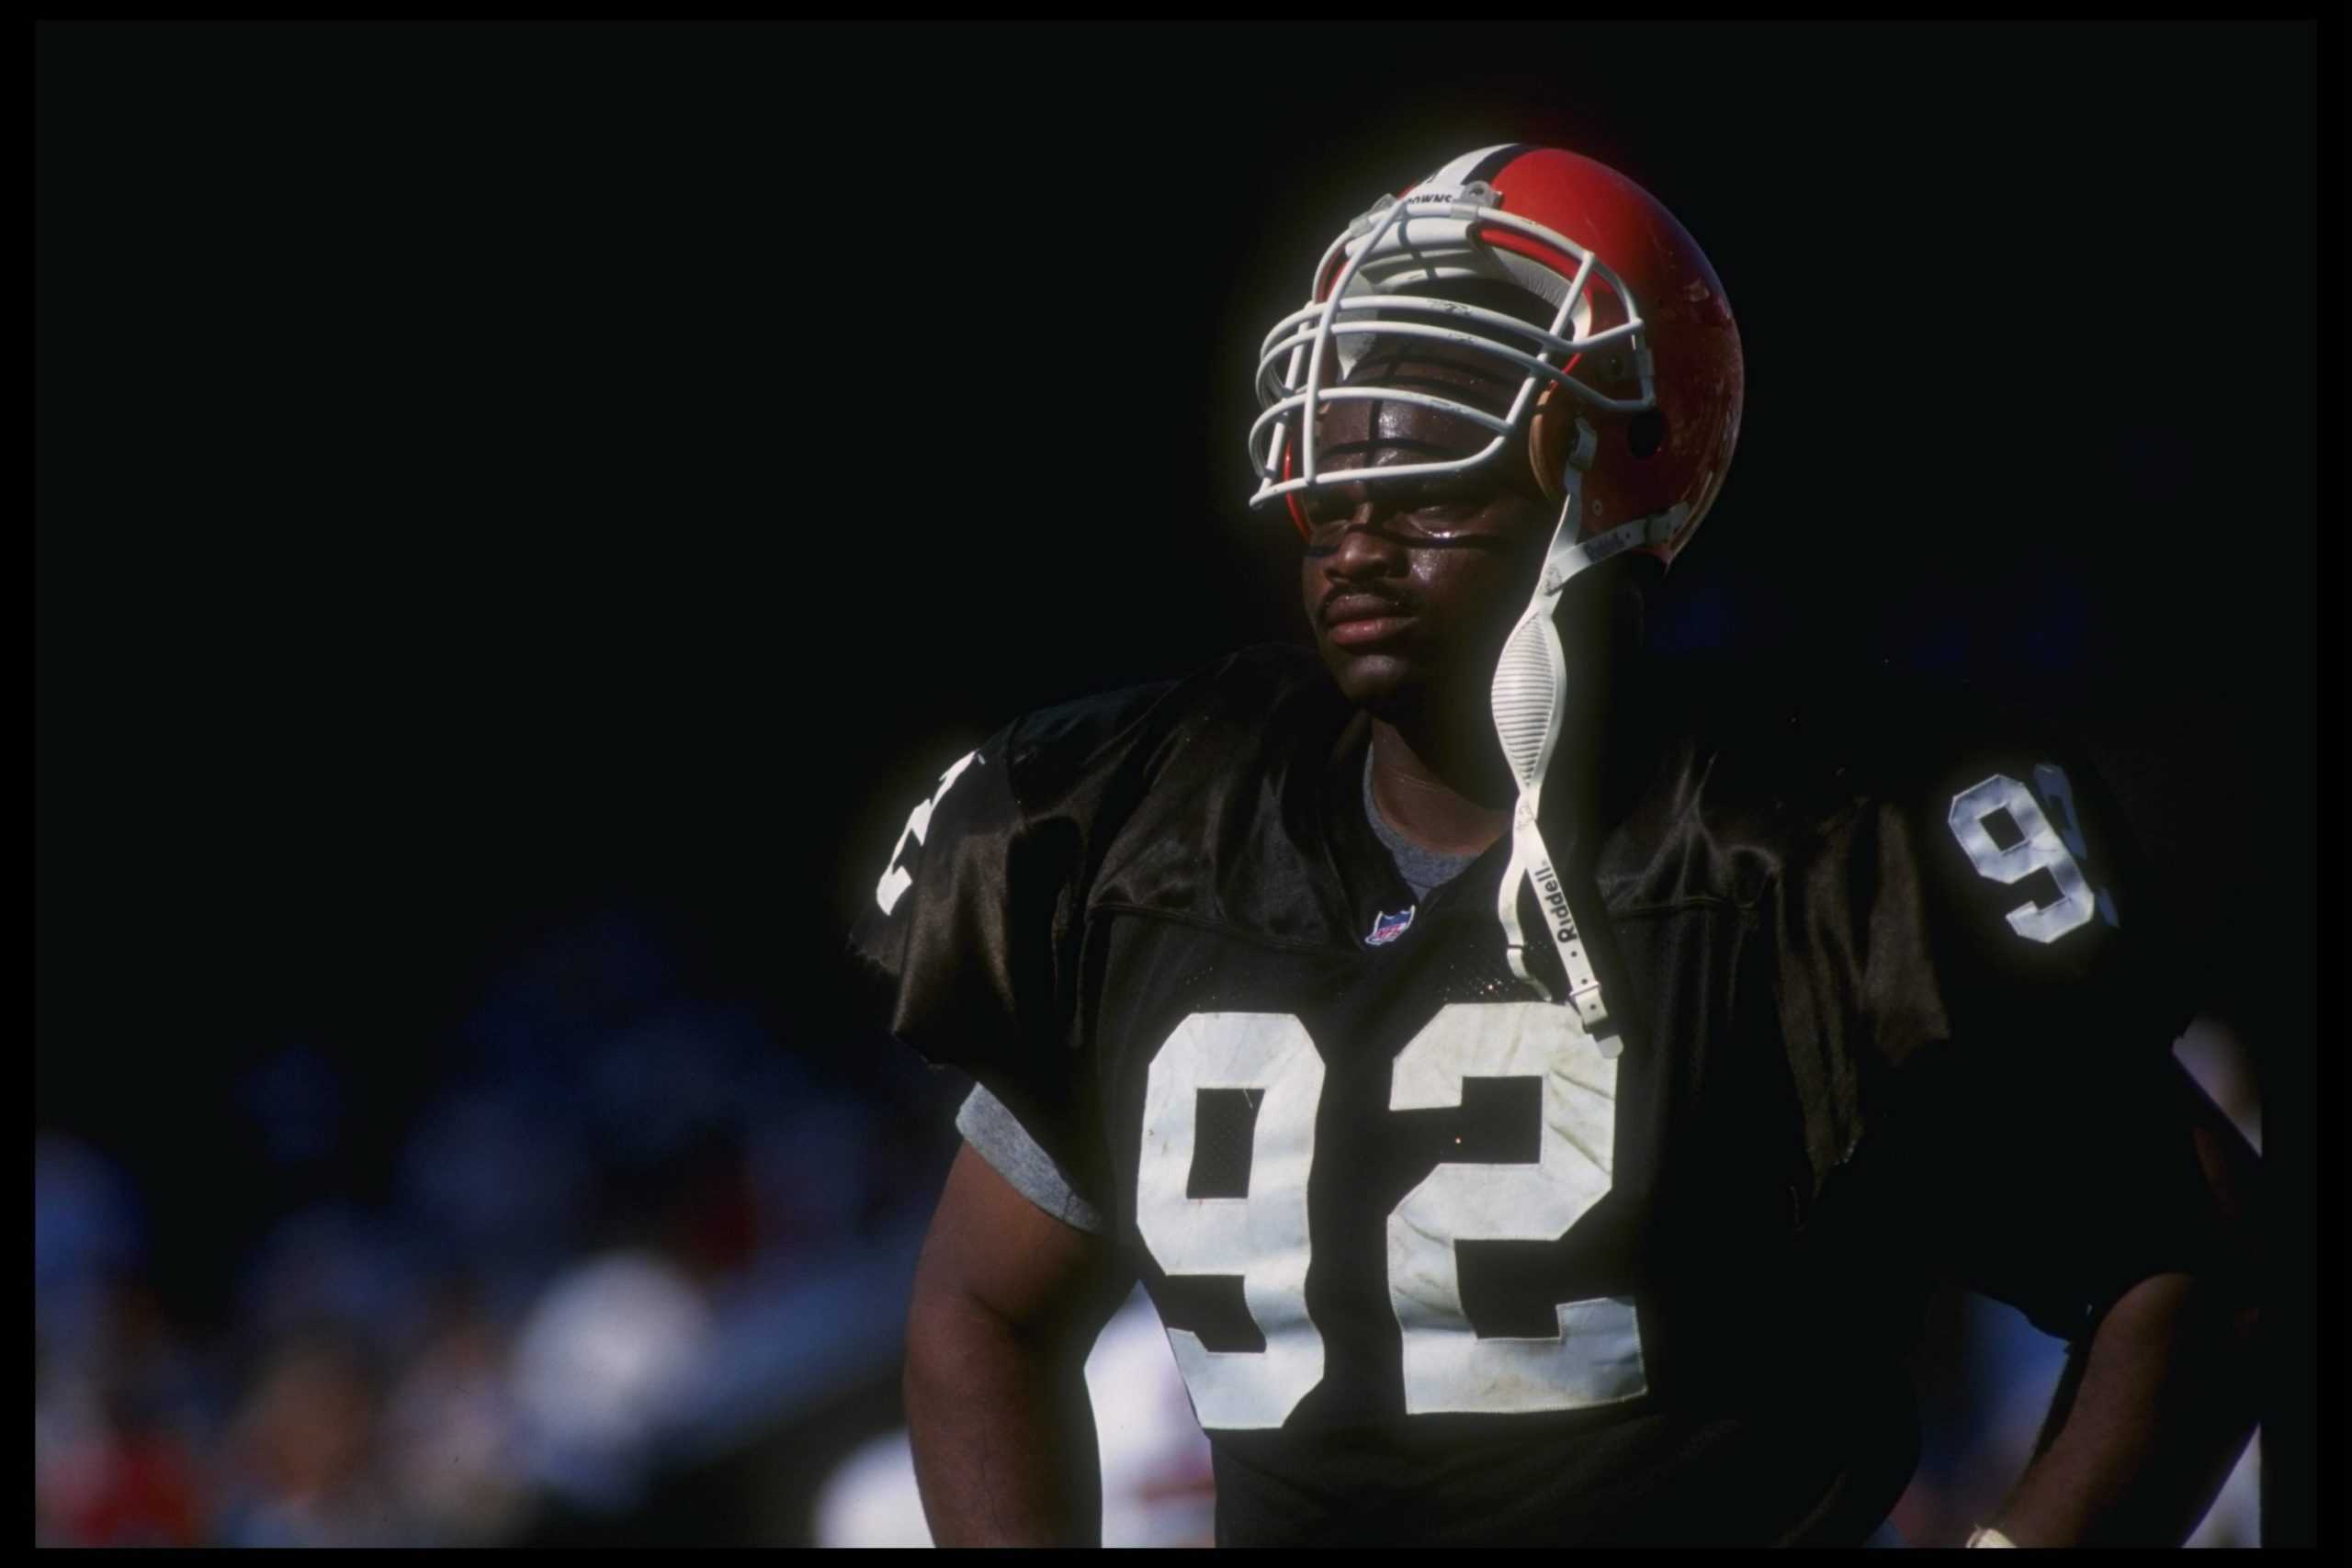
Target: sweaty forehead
x=1360 y=433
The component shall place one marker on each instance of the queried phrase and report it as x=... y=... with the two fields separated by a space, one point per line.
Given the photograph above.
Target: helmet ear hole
x=1645 y=432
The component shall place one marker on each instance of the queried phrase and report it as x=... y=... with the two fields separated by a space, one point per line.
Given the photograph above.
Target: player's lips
x=1356 y=618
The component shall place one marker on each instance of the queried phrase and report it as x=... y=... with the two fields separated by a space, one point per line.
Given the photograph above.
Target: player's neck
x=1428 y=802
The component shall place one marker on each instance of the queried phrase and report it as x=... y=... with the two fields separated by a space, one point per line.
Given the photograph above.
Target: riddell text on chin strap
x=1529 y=700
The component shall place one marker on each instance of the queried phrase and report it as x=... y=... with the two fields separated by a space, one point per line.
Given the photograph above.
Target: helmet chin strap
x=1529 y=700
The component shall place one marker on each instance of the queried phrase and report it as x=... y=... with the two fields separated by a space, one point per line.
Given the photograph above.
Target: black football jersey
x=1438 y=1264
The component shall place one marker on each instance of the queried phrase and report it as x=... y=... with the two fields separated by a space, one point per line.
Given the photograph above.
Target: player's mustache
x=1344 y=589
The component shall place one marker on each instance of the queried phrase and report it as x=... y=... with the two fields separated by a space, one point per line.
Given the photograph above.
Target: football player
x=1536 y=1091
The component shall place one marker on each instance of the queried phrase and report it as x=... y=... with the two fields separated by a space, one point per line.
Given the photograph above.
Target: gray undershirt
x=1000 y=1140
x=1422 y=869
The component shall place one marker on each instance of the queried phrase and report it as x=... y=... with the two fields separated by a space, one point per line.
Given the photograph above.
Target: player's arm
x=2157 y=1407
x=1007 y=1302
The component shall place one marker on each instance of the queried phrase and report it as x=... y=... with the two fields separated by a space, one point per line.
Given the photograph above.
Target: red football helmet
x=1637 y=381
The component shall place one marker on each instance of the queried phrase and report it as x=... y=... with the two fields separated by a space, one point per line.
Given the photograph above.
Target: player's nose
x=1364 y=548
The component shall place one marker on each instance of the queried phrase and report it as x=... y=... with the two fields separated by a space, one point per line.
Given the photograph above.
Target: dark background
x=496 y=479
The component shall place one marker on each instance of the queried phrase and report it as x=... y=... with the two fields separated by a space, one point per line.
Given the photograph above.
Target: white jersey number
x=1595 y=1358
x=2056 y=850
x=1261 y=1237
x=896 y=879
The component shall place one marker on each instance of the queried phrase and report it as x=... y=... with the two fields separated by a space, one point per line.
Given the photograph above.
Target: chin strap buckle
x=1532 y=862
x=1587 y=1000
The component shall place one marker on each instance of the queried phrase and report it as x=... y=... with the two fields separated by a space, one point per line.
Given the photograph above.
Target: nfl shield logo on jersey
x=1388 y=927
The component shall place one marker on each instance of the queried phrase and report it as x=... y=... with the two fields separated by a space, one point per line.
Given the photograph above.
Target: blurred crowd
x=632 y=1235
x=634 y=1232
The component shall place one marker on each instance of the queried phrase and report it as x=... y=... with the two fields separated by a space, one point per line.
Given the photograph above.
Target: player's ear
x=1551 y=436
x=1560 y=418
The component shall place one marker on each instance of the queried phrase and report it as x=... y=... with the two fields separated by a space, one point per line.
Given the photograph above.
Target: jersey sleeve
x=2009 y=989
x=2045 y=940
x=971 y=939
x=998 y=1137
x=965 y=943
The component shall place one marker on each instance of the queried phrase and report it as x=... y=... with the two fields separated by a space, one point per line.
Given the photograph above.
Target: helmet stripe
x=1462 y=170
x=1493 y=163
